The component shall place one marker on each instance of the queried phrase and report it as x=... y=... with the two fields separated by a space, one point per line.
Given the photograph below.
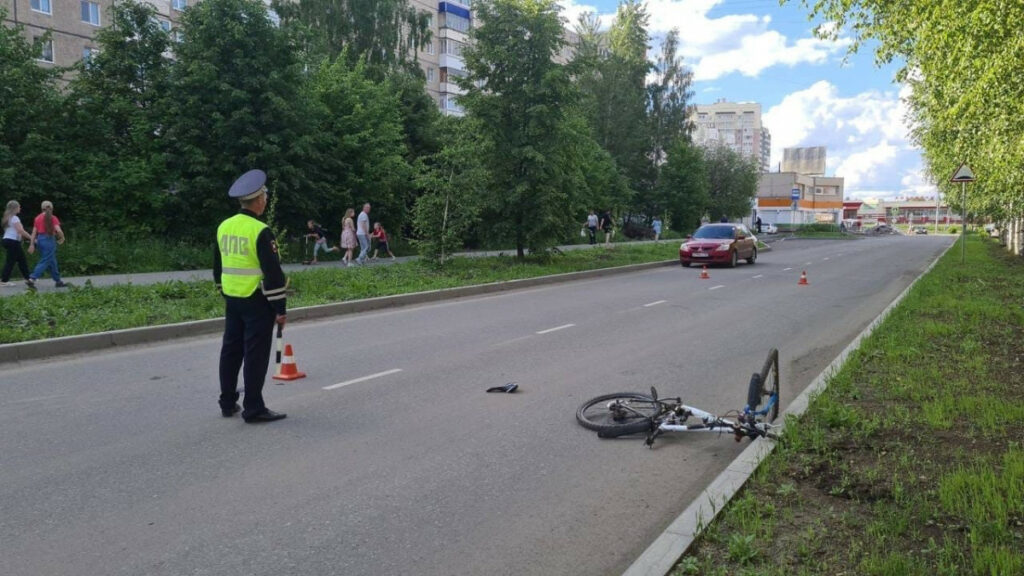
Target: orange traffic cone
x=704 y=273
x=287 y=369
x=803 y=279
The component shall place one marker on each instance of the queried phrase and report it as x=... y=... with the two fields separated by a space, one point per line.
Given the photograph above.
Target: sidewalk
x=46 y=284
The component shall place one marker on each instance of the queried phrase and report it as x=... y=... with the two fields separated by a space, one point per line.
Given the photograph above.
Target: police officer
x=248 y=273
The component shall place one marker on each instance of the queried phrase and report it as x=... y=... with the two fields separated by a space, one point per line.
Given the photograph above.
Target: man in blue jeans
x=363 y=233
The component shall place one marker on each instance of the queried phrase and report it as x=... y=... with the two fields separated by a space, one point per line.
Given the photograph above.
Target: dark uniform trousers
x=248 y=335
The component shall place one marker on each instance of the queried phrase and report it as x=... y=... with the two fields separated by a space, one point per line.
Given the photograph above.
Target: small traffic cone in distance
x=288 y=369
x=803 y=279
x=704 y=273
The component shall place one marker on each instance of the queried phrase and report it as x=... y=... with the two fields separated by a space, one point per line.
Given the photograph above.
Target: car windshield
x=714 y=232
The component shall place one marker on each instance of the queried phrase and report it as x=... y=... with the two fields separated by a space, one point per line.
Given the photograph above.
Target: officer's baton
x=280 y=339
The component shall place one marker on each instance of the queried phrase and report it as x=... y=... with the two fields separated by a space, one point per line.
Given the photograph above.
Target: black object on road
x=509 y=388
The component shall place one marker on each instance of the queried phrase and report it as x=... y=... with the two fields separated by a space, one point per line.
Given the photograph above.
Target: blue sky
x=758 y=51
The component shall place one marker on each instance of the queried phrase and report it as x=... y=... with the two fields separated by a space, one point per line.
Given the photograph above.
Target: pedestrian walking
x=247 y=271
x=14 y=232
x=592 y=227
x=47 y=235
x=381 y=236
x=758 y=222
x=607 y=226
x=320 y=240
x=656 y=226
x=363 y=233
x=348 y=236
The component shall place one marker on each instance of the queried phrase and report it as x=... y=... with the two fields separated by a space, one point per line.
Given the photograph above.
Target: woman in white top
x=13 y=233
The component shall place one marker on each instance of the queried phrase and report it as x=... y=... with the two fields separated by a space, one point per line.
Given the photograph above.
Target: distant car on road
x=769 y=228
x=992 y=230
x=920 y=230
x=719 y=243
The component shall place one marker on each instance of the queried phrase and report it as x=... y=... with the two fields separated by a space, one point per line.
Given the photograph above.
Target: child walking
x=348 y=236
x=382 y=240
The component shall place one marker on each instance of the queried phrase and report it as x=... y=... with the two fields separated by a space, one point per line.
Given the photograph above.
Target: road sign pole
x=963 y=223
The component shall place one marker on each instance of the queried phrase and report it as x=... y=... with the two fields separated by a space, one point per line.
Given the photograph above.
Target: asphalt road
x=393 y=459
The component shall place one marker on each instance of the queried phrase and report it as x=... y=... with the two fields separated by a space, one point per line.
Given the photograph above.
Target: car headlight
x=684 y=248
x=724 y=247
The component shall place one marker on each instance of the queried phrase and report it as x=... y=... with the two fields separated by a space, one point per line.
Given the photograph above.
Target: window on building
x=429 y=48
x=165 y=25
x=91 y=12
x=452 y=47
x=177 y=36
x=46 y=50
x=430 y=74
x=41 y=6
x=179 y=5
x=455 y=22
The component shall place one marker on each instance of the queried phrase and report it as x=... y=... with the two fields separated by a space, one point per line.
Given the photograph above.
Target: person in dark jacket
x=247 y=271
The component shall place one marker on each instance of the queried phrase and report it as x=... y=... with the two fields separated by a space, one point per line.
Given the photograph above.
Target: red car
x=719 y=243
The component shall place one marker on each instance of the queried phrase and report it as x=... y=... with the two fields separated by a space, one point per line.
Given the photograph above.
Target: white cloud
x=865 y=135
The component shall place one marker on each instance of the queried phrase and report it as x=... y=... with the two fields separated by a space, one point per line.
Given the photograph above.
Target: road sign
x=963 y=174
x=794 y=194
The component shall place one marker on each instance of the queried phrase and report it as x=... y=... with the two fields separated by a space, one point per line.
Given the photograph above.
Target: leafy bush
x=101 y=252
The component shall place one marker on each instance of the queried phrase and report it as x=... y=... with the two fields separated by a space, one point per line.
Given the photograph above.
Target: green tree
x=611 y=73
x=454 y=182
x=962 y=61
x=669 y=115
x=116 y=99
x=383 y=33
x=361 y=144
x=732 y=183
x=521 y=99
x=32 y=164
x=238 y=103
x=684 y=186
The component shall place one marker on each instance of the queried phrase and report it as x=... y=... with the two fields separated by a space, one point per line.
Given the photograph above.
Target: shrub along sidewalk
x=911 y=462
x=88 y=309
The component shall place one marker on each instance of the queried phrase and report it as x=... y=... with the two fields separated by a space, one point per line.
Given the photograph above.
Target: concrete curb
x=661 y=556
x=36 y=349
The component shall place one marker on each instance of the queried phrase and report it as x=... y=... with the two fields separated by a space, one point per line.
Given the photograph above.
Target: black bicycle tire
x=770 y=386
x=610 y=428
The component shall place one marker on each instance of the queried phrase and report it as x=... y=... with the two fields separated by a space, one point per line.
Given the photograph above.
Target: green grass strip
x=912 y=460
x=88 y=309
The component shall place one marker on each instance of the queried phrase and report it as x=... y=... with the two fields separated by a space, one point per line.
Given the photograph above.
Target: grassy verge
x=83 y=310
x=911 y=462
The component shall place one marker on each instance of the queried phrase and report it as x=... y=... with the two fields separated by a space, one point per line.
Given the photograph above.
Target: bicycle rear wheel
x=618 y=414
x=770 y=383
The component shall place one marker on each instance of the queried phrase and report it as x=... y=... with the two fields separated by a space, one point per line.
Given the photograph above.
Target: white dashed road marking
x=562 y=327
x=654 y=303
x=759 y=276
x=786 y=269
x=717 y=287
x=825 y=258
x=363 y=379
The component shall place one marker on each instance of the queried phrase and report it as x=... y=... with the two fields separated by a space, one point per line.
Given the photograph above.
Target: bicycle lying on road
x=625 y=413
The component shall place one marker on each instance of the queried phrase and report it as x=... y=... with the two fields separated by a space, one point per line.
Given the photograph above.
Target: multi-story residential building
x=736 y=125
x=73 y=24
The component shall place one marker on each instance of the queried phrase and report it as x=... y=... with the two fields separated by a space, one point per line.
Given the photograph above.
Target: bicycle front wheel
x=770 y=383
x=618 y=414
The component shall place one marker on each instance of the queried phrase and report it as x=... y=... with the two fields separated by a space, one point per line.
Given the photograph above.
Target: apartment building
x=441 y=59
x=736 y=125
x=73 y=24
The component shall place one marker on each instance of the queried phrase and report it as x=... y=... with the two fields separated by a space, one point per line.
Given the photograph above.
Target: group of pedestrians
x=354 y=234
x=604 y=222
x=46 y=235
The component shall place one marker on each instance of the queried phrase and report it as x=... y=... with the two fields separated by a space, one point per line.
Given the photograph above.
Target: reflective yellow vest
x=240 y=266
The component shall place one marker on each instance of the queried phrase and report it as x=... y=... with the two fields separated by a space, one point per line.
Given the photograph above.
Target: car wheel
x=733 y=258
x=753 y=256
x=684 y=263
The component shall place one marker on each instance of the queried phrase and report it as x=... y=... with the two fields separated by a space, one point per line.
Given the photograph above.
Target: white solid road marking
x=654 y=303
x=563 y=327
x=785 y=269
x=759 y=276
x=363 y=379
x=717 y=287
